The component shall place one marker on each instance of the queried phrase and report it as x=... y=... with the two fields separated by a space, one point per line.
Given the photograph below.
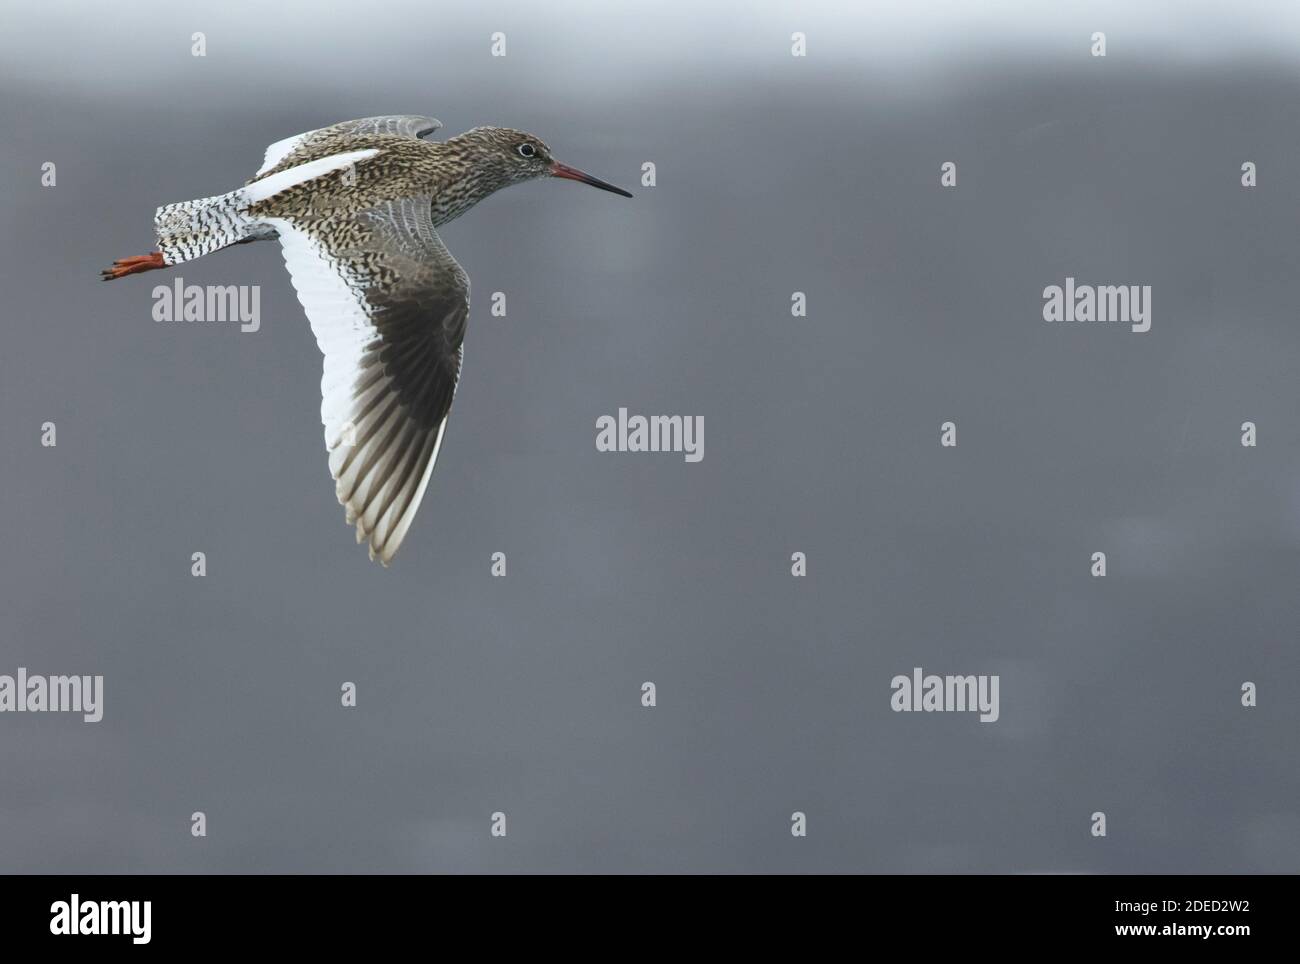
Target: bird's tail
x=191 y=229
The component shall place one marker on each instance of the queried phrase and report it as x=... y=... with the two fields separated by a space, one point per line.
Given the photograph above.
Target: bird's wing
x=388 y=305
x=403 y=125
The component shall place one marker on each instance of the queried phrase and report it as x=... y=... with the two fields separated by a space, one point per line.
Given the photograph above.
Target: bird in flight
x=355 y=207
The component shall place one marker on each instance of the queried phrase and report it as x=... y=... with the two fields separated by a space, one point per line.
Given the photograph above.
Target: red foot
x=125 y=266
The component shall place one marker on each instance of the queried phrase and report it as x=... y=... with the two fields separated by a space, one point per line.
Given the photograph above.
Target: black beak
x=573 y=174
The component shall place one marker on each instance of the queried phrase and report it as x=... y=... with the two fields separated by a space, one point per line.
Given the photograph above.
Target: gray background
x=522 y=694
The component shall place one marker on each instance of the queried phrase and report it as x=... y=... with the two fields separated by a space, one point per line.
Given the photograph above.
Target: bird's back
x=400 y=167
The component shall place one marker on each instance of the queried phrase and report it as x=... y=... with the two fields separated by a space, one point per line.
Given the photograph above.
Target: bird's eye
x=527 y=150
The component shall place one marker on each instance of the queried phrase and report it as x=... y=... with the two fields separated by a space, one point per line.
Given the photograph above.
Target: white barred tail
x=191 y=229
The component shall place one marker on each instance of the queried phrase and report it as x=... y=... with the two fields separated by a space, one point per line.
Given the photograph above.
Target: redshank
x=355 y=207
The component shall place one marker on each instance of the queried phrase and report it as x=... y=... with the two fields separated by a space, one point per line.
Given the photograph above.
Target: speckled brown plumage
x=455 y=174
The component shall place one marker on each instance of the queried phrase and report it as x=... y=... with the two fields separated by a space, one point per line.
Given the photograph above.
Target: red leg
x=125 y=266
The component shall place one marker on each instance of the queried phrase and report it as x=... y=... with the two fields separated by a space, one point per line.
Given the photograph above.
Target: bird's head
x=516 y=156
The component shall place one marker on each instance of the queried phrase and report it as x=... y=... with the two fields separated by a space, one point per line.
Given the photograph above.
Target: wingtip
x=380 y=556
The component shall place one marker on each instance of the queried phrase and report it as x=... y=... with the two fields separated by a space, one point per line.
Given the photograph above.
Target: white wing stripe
x=278 y=151
x=270 y=186
x=403 y=125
